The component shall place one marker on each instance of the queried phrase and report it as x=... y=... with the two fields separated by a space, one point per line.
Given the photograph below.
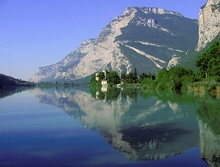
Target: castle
x=104 y=81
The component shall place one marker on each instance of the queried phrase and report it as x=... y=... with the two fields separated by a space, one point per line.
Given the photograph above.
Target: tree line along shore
x=206 y=77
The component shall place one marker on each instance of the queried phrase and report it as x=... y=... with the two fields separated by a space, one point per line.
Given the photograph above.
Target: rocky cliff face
x=209 y=23
x=145 y=38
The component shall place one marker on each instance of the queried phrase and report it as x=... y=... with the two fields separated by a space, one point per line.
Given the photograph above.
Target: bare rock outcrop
x=209 y=23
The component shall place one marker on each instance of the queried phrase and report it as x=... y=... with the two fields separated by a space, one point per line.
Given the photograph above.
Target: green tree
x=131 y=77
x=209 y=62
x=92 y=79
x=177 y=75
x=173 y=79
x=147 y=83
x=93 y=83
x=143 y=76
x=123 y=75
x=162 y=75
x=113 y=78
x=135 y=73
x=101 y=76
x=162 y=80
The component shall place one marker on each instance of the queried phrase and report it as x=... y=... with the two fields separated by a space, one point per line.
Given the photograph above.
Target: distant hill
x=7 y=81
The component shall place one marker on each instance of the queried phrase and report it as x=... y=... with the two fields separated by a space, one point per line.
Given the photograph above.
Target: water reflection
x=209 y=121
x=4 y=92
x=141 y=128
x=143 y=125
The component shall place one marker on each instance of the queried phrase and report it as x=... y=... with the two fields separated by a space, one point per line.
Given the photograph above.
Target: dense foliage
x=111 y=77
x=176 y=78
x=93 y=83
x=6 y=81
x=130 y=78
x=209 y=62
x=188 y=60
x=179 y=78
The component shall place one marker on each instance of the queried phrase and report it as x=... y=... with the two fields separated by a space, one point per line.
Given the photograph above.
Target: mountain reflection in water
x=142 y=129
x=139 y=124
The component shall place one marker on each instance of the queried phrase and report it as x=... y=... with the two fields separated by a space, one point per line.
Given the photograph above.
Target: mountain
x=209 y=23
x=209 y=31
x=146 y=38
x=7 y=81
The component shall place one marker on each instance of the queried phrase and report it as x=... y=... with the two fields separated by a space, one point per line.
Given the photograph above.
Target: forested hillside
x=6 y=81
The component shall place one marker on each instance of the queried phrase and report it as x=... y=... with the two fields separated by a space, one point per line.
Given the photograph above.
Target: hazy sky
x=36 y=33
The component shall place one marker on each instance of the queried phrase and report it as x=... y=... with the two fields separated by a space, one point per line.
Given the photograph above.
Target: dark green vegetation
x=209 y=113
x=130 y=78
x=209 y=62
x=174 y=79
x=111 y=77
x=188 y=61
x=111 y=94
x=206 y=78
x=7 y=81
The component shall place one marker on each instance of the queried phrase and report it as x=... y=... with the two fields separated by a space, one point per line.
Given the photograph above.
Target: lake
x=81 y=127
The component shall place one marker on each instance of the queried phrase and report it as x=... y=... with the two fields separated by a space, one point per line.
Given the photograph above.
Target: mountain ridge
x=130 y=40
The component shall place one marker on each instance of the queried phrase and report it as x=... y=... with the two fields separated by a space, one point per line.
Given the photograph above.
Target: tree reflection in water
x=140 y=128
x=145 y=125
x=209 y=121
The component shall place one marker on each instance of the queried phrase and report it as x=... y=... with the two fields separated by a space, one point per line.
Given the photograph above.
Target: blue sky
x=36 y=33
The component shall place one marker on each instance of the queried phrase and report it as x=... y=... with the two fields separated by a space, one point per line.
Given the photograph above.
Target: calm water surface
x=77 y=127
